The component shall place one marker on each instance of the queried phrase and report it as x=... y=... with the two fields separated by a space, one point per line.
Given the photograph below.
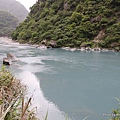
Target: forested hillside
x=15 y=8
x=72 y=23
x=7 y=23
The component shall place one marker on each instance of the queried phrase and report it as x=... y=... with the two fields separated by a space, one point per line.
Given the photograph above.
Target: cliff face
x=7 y=23
x=15 y=8
x=72 y=23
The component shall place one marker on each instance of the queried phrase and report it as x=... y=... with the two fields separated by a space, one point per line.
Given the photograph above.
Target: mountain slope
x=72 y=23
x=7 y=23
x=15 y=8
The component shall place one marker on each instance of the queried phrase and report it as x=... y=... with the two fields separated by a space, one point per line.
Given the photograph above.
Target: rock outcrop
x=10 y=58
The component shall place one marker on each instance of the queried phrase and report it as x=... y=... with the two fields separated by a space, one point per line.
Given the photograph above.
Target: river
x=74 y=85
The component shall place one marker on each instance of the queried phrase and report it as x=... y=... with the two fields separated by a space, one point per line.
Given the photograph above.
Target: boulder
x=97 y=49
x=44 y=42
x=11 y=57
x=6 y=61
x=52 y=44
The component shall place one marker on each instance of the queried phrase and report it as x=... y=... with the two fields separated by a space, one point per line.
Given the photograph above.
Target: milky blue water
x=74 y=85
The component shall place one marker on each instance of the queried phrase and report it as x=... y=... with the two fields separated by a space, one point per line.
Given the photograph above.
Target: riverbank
x=13 y=104
x=6 y=40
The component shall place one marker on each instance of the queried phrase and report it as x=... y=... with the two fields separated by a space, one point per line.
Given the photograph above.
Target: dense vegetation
x=12 y=99
x=7 y=23
x=15 y=8
x=72 y=23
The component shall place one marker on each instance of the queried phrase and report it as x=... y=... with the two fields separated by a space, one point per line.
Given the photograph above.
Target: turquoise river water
x=74 y=85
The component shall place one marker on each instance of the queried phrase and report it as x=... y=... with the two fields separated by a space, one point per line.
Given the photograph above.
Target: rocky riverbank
x=43 y=45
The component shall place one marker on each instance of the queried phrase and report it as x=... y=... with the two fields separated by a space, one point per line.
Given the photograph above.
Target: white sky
x=27 y=3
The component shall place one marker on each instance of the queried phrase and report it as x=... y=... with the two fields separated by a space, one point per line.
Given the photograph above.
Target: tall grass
x=12 y=99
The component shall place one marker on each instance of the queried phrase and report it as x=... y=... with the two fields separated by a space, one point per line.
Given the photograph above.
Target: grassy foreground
x=13 y=105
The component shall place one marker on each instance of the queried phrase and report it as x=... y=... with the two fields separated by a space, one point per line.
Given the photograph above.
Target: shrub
x=12 y=95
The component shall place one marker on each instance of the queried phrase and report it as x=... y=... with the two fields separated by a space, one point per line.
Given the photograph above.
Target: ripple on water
x=78 y=83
